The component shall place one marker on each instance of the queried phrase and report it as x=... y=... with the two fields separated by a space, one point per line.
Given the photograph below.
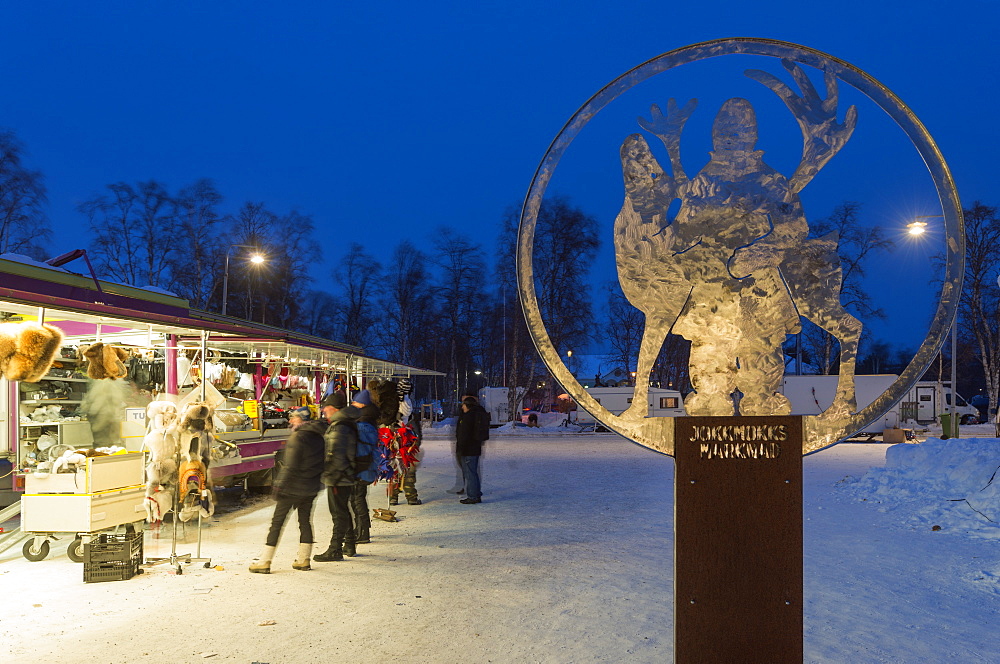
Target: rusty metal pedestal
x=738 y=540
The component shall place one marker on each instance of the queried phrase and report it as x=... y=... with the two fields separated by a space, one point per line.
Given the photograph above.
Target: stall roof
x=139 y=316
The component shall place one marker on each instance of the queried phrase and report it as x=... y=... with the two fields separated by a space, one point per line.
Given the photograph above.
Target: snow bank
x=952 y=484
x=446 y=427
x=521 y=429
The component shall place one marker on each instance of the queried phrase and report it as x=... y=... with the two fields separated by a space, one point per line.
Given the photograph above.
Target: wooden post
x=738 y=540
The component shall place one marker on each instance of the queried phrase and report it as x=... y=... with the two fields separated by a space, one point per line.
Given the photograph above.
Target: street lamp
x=917 y=228
x=256 y=258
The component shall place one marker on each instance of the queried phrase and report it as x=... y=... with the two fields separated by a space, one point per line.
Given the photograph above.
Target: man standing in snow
x=296 y=487
x=471 y=430
x=338 y=475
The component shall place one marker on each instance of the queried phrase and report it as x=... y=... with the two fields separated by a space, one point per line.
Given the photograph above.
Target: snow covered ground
x=568 y=559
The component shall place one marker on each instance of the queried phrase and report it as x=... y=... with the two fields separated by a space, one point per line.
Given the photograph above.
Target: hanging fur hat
x=160 y=415
x=27 y=350
x=386 y=398
x=197 y=417
x=105 y=361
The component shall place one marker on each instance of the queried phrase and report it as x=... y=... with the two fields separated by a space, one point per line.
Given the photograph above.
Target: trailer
x=496 y=401
x=928 y=399
x=811 y=395
x=661 y=402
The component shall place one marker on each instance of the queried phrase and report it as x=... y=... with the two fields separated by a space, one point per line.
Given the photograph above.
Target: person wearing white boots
x=296 y=487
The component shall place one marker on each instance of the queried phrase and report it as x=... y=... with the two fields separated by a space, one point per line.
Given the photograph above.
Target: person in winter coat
x=359 y=501
x=338 y=475
x=296 y=487
x=471 y=430
x=409 y=478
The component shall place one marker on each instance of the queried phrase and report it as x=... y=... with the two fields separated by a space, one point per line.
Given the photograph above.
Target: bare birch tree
x=980 y=303
x=24 y=228
x=196 y=265
x=858 y=245
x=131 y=227
x=358 y=277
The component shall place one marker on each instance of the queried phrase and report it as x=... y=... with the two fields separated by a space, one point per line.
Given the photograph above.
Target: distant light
x=257 y=258
x=916 y=227
x=477 y=372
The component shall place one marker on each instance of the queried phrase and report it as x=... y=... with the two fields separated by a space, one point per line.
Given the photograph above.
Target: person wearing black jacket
x=471 y=430
x=296 y=487
x=339 y=475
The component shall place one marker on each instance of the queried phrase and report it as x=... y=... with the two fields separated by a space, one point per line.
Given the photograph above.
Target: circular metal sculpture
x=734 y=269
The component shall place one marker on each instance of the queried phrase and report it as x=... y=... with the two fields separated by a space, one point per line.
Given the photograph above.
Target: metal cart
x=107 y=493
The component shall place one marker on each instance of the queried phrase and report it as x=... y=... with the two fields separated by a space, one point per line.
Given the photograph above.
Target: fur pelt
x=386 y=399
x=105 y=361
x=160 y=415
x=158 y=504
x=161 y=471
x=89 y=452
x=27 y=350
x=195 y=432
x=68 y=459
x=160 y=476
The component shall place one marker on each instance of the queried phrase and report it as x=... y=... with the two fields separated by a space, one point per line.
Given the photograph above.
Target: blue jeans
x=470 y=472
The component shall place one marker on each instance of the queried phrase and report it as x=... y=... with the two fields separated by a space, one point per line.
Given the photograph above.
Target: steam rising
x=103 y=405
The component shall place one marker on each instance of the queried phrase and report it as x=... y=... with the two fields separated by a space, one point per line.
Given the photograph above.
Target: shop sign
x=250 y=408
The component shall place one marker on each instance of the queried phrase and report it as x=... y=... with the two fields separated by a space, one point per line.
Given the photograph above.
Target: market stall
x=121 y=349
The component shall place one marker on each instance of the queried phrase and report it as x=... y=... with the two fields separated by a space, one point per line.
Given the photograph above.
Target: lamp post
x=917 y=228
x=255 y=258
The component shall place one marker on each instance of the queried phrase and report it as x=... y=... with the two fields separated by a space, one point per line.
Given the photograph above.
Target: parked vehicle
x=662 y=402
x=496 y=402
x=811 y=395
x=923 y=403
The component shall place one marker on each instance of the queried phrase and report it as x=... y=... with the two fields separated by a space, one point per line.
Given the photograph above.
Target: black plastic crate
x=112 y=557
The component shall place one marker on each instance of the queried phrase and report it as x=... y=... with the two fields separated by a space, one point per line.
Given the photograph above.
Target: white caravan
x=496 y=402
x=924 y=403
x=811 y=395
x=662 y=402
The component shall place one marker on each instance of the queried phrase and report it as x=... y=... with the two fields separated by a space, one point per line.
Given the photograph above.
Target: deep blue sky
x=389 y=120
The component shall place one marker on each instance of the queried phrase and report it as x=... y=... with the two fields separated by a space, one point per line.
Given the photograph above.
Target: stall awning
x=141 y=317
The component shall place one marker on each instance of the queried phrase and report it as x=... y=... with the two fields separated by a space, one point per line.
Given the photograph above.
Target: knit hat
x=363 y=397
x=404 y=387
x=337 y=400
x=301 y=412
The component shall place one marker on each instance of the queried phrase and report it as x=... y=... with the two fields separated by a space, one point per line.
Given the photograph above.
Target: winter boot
x=350 y=550
x=363 y=534
x=333 y=553
x=302 y=560
x=263 y=564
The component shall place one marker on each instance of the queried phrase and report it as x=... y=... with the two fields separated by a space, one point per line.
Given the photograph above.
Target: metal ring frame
x=657 y=433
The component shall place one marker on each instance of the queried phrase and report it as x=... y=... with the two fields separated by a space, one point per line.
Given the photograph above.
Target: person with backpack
x=471 y=431
x=296 y=487
x=341 y=439
x=366 y=465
